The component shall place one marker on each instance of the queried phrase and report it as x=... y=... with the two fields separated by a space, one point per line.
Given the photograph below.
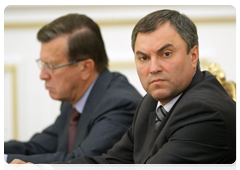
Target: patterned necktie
x=161 y=113
x=72 y=128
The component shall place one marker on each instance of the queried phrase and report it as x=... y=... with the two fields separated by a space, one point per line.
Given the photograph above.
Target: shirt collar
x=82 y=101
x=170 y=104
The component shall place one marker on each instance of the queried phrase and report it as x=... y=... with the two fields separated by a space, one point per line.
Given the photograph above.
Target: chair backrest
x=230 y=86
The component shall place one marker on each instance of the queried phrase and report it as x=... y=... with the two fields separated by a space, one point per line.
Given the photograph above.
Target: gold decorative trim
x=229 y=86
x=12 y=70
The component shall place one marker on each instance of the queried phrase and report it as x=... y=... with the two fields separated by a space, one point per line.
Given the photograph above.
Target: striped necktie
x=161 y=113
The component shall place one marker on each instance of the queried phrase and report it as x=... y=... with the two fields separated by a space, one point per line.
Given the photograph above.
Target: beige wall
x=36 y=110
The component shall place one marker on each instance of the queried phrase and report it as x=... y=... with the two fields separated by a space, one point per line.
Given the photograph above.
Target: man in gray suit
x=187 y=121
x=73 y=64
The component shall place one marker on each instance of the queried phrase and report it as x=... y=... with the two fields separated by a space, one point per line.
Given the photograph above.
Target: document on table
x=7 y=166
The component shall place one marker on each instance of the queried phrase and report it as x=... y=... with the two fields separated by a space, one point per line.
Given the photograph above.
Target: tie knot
x=164 y=112
x=161 y=113
x=74 y=115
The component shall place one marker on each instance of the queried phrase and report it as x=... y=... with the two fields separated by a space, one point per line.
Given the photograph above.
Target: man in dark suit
x=73 y=65
x=186 y=116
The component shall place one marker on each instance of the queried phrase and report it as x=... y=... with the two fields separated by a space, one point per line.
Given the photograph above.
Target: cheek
x=182 y=75
x=143 y=74
x=60 y=84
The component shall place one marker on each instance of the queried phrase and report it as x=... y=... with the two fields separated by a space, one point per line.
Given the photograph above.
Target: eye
x=167 y=54
x=48 y=66
x=143 y=58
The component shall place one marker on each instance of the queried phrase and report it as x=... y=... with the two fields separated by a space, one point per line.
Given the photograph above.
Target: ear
x=194 y=56
x=87 y=68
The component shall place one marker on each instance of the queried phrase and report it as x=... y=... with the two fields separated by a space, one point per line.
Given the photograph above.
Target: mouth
x=48 y=88
x=156 y=81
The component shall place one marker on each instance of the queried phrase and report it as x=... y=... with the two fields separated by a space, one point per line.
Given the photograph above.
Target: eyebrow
x=164 y=47
x=159 y=50
x=140 y=53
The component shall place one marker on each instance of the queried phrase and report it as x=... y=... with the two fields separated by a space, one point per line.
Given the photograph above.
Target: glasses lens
x=39 y=63
x=45 y=66
x=47 y=69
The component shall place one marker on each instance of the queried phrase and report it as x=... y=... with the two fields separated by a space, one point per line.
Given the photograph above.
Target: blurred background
x=28 y=107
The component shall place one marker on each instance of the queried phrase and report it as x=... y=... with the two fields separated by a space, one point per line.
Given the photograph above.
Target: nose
x=44 y=75
x=155 y=66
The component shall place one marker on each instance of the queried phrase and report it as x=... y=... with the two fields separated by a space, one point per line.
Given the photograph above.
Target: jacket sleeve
x=121 y=153
x=108 y=128
x=39 y=144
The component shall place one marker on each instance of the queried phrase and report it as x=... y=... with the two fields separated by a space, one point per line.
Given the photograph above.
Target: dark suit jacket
x=107 y=115
x=200 y=128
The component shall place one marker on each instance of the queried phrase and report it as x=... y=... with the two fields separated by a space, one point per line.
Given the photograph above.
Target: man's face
x=163 y=65
x=62 y=82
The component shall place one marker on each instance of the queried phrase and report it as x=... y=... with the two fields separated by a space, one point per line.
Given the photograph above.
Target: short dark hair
x=85 y=40
x=181 y=23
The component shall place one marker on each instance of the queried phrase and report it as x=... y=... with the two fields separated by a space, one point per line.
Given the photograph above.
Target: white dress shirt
x=169 y=105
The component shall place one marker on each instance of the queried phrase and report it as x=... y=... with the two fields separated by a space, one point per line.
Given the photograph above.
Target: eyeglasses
x=49 y=68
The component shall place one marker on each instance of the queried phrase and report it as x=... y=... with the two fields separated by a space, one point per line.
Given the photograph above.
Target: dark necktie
x=72 y=128
x=161 y=113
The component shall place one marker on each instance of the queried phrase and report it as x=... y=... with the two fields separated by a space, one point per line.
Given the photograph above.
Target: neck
x=82 y=88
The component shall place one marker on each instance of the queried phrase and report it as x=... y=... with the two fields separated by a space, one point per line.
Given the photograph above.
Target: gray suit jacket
x=200 y=128
x=107 y=115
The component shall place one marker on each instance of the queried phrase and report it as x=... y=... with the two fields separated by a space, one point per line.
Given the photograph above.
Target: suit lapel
x=198 y=77
x=98 y=90
x=147 y=115
x=155 y=139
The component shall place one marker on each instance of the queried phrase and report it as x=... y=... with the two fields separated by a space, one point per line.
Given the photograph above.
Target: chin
x=159 y=95
x=53 y=96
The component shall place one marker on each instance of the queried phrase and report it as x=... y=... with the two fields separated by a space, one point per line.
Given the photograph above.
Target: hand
x=21 y=165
